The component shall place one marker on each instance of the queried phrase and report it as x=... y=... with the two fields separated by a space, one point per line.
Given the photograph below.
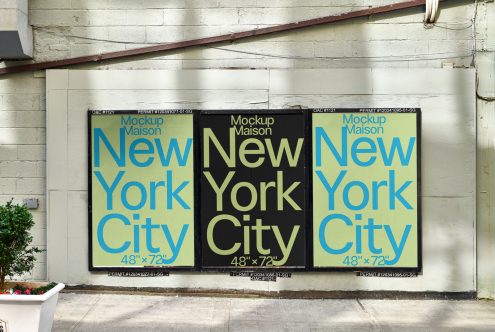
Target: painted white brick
x=164 y=34
x=18 y=169
x=181 y=17
x=386 y=31
x=42 y=102
x=225 y=63
x=417 y=31
x=42 y=105
x=133 y=34
x=373 y=49
x=130 y=46
x=41 y=204
x=7 y=186
x=147 y=64
x=39 y=236
x=454 y=14
x=51 y=17
x=40 y=257
x=343 y=31
x=19 y=102
x=281 y=63
x=68 y=18
x=59 y=47
x=51 y=34
x=360 y=30
x=309 y=82
x=4 y=198
x=104 y=4
x=220 y=16
x=306 y=35
x=37 y=273
x=490 y=27
x=144 y=17
x=22 y=119
x=460 y=33
x=287 y=15
x=140 y=4
x=39 y=218
x=297 y=3
x=345 y=101
x=104 y=17
x=45 y=53
x=49 y=4
x=30 y=186
x=254 y=50
x=22 y=83
x=31 y=152
x=482 y=25
x=457 y=14
x=22 y=135
x=7 y=119
x=167 y=80
x=163 y=99
x=41 y=169
x=94 y=48
x=209 y=16
x=9 y=19
x=8 y=4
x=86 y=33
x=8 y=152
x=196 y=16
x=449 y=48
x=411 y=15
x=332 y=49
x=179 y=4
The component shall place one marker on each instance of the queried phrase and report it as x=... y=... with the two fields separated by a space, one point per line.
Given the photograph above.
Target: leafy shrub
x=16 y=255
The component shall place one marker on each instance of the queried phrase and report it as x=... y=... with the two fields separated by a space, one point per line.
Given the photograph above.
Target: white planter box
x=29 y=313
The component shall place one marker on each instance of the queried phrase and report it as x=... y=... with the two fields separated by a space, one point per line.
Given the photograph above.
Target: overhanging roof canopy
x=16 y=37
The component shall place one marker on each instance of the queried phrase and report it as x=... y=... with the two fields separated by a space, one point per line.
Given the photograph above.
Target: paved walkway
x=118 y=312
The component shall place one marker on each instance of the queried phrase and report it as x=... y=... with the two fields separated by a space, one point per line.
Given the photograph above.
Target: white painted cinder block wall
x=68 y=28
x=448 y=159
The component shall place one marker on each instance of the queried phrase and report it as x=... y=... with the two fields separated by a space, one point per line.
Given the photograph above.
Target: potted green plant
x=23 y=306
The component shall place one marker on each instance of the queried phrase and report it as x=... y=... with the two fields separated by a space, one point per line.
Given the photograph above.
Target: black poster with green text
x=253 y=182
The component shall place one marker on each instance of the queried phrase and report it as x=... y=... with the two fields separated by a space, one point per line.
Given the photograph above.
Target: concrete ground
x=120 y=312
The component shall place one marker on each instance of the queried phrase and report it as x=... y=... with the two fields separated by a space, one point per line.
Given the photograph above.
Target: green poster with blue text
x=141 y=189
x=365 y=188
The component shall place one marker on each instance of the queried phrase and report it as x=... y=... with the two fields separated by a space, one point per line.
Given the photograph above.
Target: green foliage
x=34 y=291
x=16 y=257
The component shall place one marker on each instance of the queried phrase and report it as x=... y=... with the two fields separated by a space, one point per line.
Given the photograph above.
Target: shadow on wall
x=200 y=98
x=22 y=152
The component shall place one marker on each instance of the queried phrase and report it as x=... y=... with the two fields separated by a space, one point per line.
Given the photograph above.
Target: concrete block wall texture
x=22 y=152
x=448 y=152
x=76 y=28
x=68 y=28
